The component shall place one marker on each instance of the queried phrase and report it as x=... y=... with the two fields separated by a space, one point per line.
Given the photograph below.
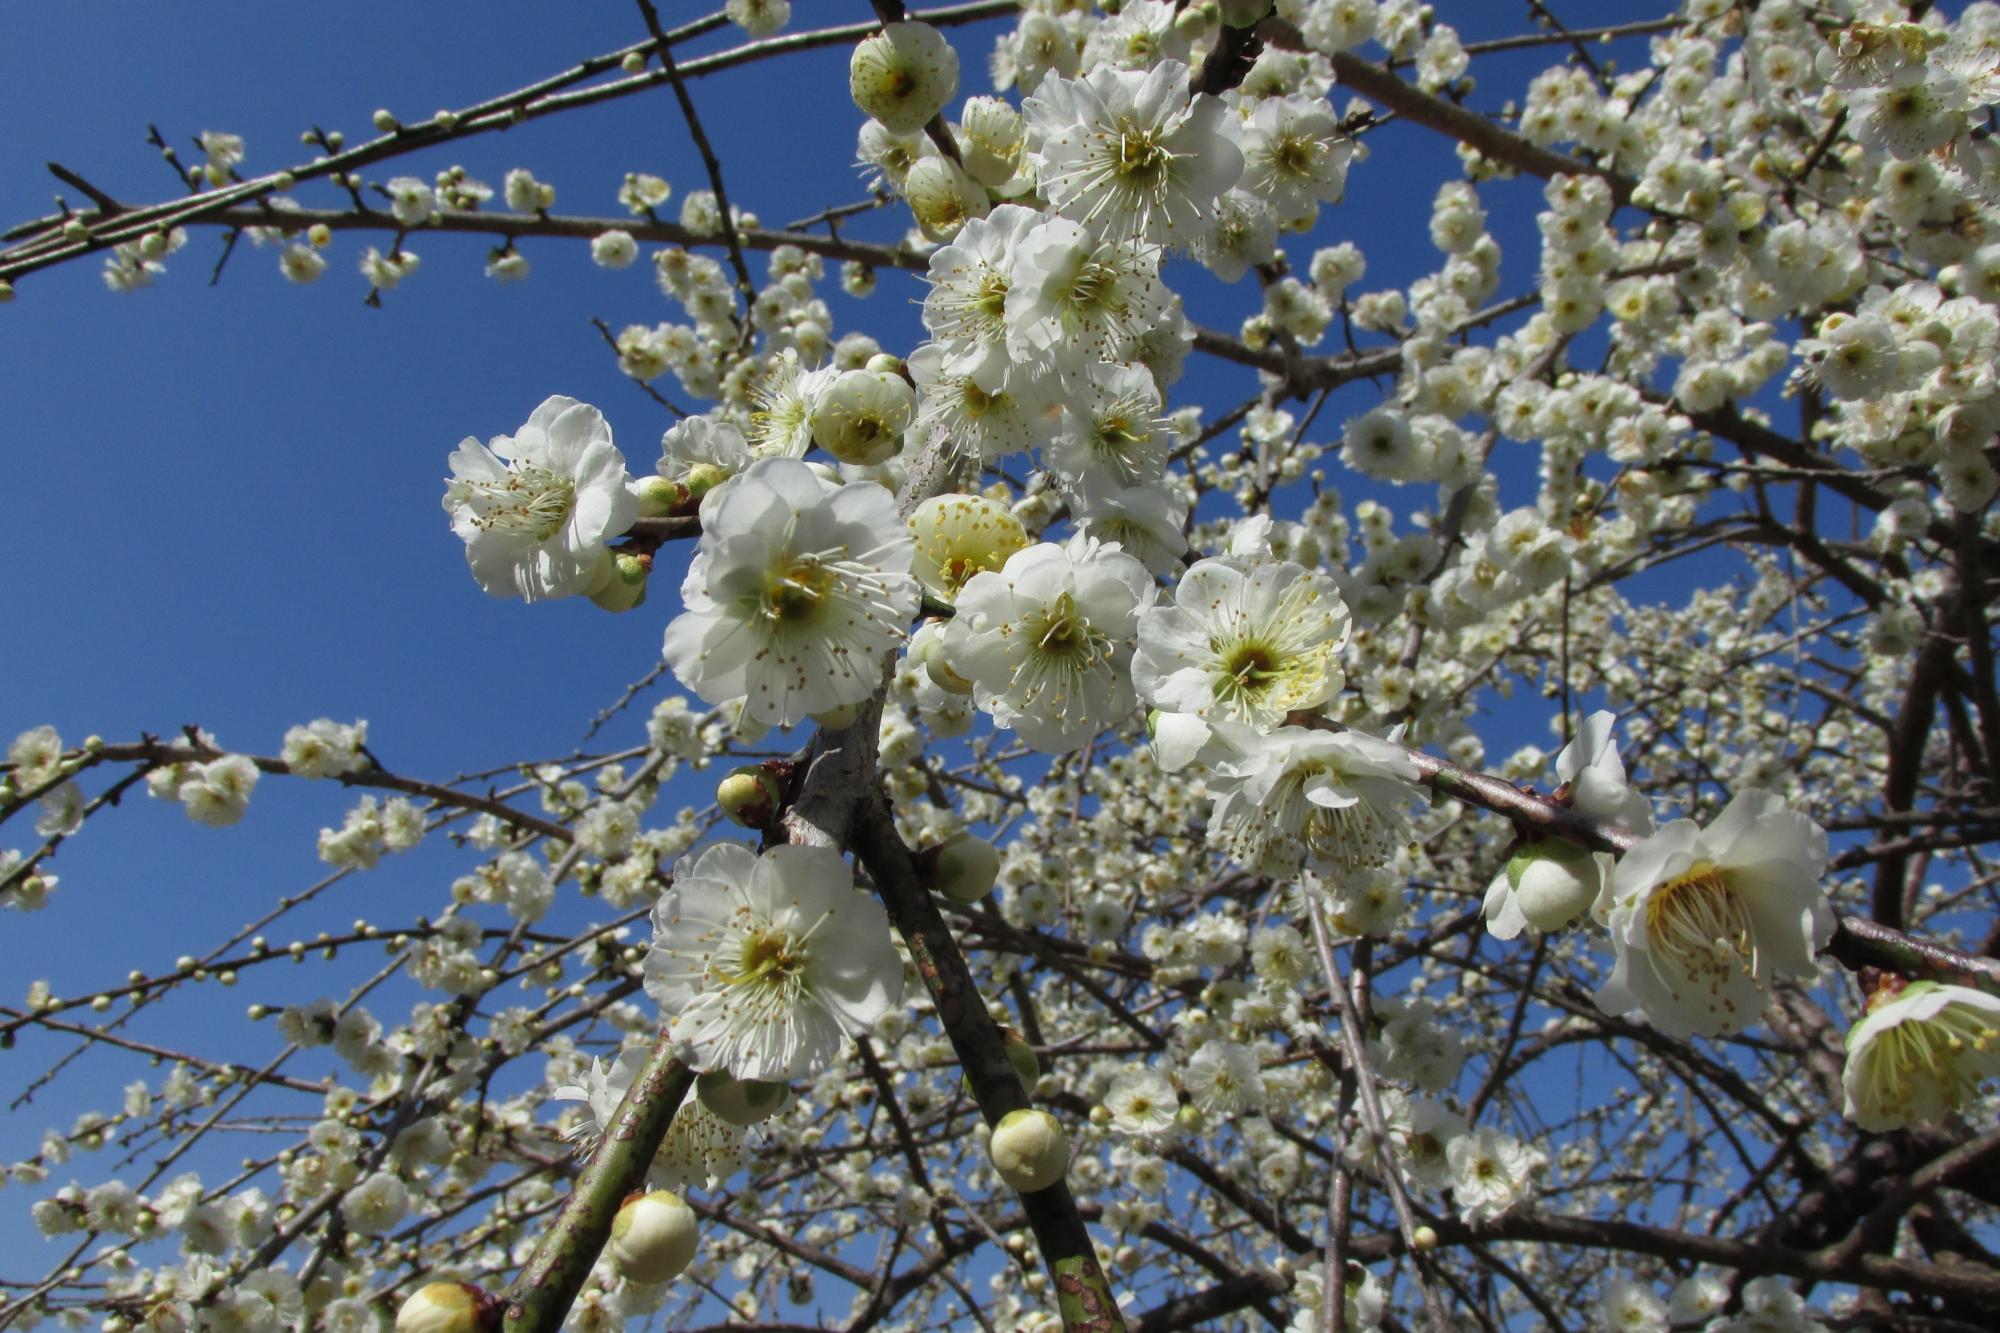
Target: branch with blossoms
x=1005 y=534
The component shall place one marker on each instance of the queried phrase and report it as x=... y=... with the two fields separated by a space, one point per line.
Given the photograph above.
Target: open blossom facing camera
x=1243 y=642
x=1047 y=641
x=1127 y=153
x=794 y=595
x=1920 y=1054
x=536 y=509
x=763 y=965
x=1704 y=920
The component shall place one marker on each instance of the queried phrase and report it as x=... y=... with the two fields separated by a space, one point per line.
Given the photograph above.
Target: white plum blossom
x=1142 y=1103
x=1704 y=920
x=1489 y=1173
x=795 y=594
x=535 y=509
x=324 y=748
x=1243 y=642
x=1920 y=1054
x=1130 y=154
x=1335 y=802
x=1047 y=641
x=763 y=965
x=218 y=792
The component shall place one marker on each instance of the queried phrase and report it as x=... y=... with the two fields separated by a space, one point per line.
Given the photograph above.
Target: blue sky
x=222 y=505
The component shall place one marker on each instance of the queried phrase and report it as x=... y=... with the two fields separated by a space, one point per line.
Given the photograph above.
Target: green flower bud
x=1027 y=1065
x=750 y=796
x=658 y=497
x=703 y=478
x=966 y=868
x=1029 y=1150
x=1244 y=13
x=626 y=587
x=653 y=1237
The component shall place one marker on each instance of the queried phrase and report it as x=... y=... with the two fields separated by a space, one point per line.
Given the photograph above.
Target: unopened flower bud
x=966 y=868
x=1029 y=1150
x=1424 y=1238
x=1554 y=881
x=153 y=245
x=75 y=230
x=741 y=1101
x=446 y=1307
x=6 y=292
x=283 y=181
x=703 y=478
x=903 y=75
x=1191 y=1118
x=633 y=62
x=885 y=363
x=1244 y=13
x=657 y=496
x=386 y=122
x=860 y=417
x=446 y=120
x=319 y=235
x=627 y=586
x=653 y=1237
x=750 y=796
x=1027 y=1065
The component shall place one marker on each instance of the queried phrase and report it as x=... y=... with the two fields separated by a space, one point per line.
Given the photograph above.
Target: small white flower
x=903 y=75
x=1295 y=157
x=1489 y=1173
x=412 y=201
x=324 y=748
x=1705 y=920
x=614 y=249
x=536 y=509
x=1631 y=1307
x=794 y=595
x=1047 y=641
x=1142 y=1102
x=376 y=1204
x=763 y=965
x=218 y=792
x=1920 y=1055
x=1223 y=1078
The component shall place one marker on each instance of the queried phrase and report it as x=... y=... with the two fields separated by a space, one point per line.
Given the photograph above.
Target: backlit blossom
x=1332 y=801
x=1243 y=642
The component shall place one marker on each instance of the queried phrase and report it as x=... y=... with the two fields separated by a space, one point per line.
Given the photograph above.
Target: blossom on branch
x=763 y=965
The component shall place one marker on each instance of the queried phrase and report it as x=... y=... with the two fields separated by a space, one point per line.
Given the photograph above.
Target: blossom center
x=768 y=954
x=531 y=501
x=1141 y=157
x=1700 y=920
x=797 y=590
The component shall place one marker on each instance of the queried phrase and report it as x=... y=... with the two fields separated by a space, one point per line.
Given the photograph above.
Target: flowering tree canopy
x=1179 y=771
